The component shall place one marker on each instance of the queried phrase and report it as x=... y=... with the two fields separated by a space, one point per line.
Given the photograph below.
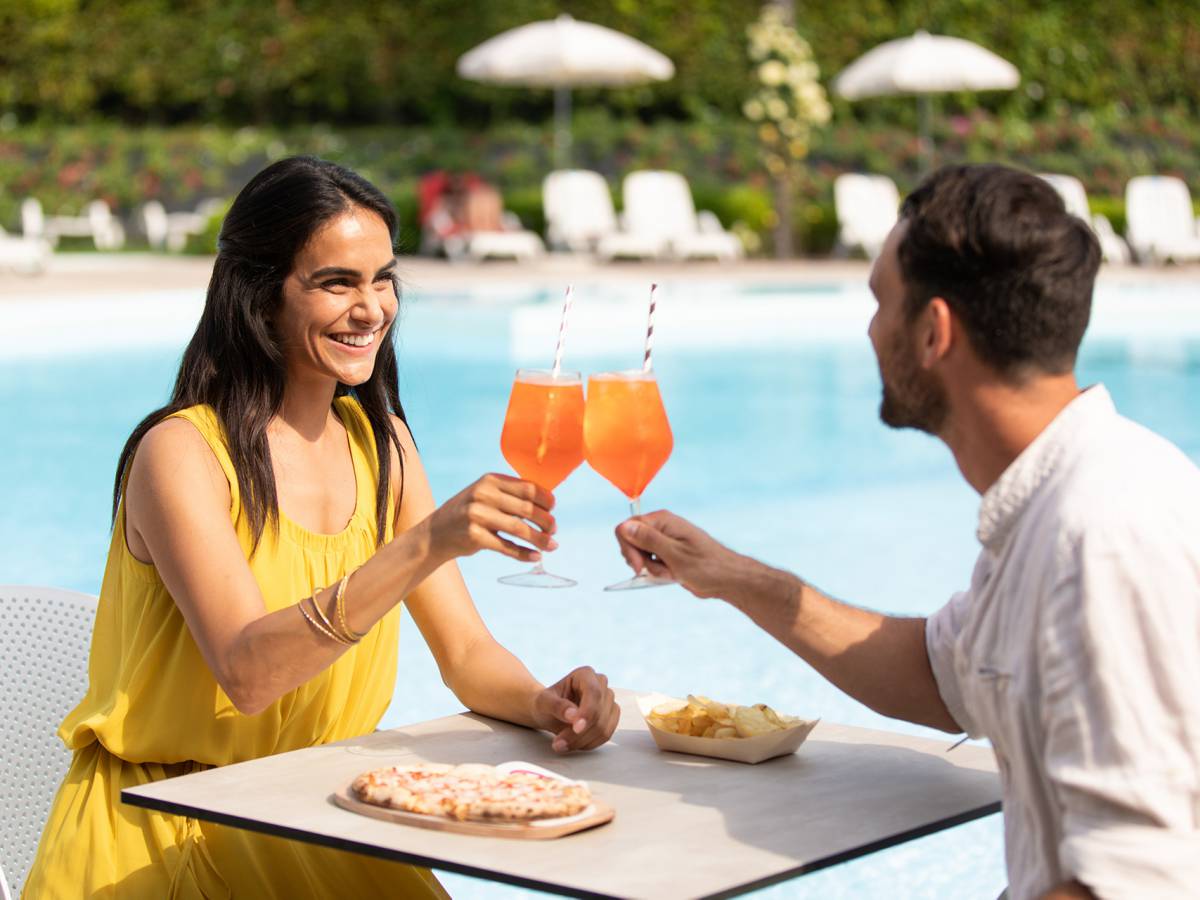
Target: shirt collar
x=1005 y=500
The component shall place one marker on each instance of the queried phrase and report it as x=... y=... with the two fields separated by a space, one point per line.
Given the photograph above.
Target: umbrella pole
x=925 y=118
x=562 y=127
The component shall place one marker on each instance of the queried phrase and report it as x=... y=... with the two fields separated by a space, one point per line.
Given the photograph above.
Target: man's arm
x=1068 y=890
x=879 y=660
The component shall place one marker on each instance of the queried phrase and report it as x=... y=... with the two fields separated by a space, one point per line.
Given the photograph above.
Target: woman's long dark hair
x=233 y=362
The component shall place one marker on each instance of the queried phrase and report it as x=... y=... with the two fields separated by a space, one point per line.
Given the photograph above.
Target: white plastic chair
x=580 y=217
x=1074 y=197
x=45 y=637
x=1161 y=225
x=5 y=893
x=867 y=208
x=659 y=206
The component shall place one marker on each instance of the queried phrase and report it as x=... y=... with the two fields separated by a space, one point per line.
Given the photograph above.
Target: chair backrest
x=155 y=223
x=1158 y=211
x=867 y=206
x=45 y=636
x=578 y=207
x=1073 y=195
x=33 y=219
x=659 y=204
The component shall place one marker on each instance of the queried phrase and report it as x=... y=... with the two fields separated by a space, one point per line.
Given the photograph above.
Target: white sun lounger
x=97 y=223
x=519 y=244
x=1161 y=225
x=867 y=207
x=580 y=218
x=171 y=230
x=24 y=254
x=659 y=206
x=1074 y=197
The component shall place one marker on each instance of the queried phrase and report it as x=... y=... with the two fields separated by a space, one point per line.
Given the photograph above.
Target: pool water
x=773 y=399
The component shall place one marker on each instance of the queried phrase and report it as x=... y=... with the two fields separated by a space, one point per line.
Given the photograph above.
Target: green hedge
x=246 y=61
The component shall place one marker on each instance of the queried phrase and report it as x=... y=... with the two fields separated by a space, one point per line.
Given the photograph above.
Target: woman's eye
x=337 y=282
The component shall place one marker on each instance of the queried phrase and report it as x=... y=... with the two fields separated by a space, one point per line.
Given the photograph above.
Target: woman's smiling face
x=339 y=300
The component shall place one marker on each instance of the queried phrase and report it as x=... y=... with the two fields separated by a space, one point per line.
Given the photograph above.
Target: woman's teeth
x=355 y=340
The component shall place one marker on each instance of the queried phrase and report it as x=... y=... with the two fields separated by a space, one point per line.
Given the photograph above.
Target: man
x=1076 y=648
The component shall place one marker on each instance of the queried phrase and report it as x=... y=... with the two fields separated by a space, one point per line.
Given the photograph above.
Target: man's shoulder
x=1122 y=469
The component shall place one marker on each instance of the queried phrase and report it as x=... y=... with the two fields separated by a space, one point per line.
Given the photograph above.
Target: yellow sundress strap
x=204 y=418
x=366 y=462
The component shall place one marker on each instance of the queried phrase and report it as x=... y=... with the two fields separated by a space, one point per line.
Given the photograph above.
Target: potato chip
x=700 y=716
x=750 y=721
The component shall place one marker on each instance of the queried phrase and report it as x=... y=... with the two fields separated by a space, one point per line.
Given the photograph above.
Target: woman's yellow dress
x=154 y=710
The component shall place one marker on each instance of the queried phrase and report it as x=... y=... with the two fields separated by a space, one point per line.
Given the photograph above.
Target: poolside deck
x=117 y=274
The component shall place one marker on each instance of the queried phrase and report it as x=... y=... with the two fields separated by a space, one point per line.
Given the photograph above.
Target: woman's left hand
x=580 y=710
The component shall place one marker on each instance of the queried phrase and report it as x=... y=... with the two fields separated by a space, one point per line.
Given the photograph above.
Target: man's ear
x=939 y=326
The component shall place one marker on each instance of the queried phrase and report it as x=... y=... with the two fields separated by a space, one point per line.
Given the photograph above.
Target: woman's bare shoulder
x=174 y=452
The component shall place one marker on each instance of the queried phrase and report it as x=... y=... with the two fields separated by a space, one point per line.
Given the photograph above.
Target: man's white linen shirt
x=1076 y=651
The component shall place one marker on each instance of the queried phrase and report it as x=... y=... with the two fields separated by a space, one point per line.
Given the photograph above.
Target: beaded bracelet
x=339 y=603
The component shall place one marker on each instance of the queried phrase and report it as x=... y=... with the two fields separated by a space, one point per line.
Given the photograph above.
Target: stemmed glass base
x=537 y=577
x=642 y=579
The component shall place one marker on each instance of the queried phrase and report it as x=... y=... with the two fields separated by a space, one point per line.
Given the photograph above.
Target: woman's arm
x=177 y=512
x=485 y=676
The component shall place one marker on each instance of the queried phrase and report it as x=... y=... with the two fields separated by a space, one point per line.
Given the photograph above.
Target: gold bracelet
x=314 y=623
x=339 y=604
x=327 y=623
x=324 y=625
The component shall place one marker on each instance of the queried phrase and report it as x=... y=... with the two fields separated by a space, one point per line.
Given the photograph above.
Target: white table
x=686 y=826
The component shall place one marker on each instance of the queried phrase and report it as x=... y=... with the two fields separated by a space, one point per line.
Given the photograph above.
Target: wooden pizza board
x=597 y=813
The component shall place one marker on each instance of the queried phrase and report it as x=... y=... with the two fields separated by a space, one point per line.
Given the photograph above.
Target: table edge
x=129 y=796
x=863 y=850
x=336 y=843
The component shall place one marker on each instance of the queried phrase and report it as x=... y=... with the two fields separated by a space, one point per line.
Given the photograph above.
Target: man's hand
x=664 y=544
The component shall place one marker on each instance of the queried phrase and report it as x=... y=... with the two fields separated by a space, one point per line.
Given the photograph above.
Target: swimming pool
x=773 y=395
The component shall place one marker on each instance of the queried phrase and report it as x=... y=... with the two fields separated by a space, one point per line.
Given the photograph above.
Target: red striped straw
x=646 y=363
x=562 y=330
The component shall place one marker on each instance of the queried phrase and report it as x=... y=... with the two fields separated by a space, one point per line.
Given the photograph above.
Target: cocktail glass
x=627 y=438
x=543 y=442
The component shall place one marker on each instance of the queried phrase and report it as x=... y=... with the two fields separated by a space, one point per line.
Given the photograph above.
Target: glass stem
x=635 y=509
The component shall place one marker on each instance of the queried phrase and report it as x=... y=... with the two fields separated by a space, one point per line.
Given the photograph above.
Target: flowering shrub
x=789 y=102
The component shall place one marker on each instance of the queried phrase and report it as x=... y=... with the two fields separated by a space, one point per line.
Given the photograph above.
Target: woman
x=267 y=523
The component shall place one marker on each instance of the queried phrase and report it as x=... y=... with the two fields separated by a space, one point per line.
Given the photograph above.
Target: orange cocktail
x=543 y=429
x=543 y=442
x=626 y=433
x=627 y=439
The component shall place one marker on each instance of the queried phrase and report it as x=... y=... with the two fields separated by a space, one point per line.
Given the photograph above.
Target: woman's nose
x=369 y=308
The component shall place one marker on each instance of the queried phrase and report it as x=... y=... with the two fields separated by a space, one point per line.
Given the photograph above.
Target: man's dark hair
x=998 y=245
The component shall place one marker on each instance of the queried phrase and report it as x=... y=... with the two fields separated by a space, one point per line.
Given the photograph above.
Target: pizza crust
x=471 y=792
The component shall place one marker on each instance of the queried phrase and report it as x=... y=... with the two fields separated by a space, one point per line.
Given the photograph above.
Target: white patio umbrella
x=563 y=53
x=925 y=64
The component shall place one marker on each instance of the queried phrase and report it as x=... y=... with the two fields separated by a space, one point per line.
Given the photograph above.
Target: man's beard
x=912 y=397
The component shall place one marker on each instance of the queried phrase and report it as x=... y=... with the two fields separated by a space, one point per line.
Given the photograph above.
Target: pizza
x=472 y=792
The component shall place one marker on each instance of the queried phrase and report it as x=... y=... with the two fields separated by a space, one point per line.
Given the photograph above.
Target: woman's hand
x=580 y=710
x=476 y=517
